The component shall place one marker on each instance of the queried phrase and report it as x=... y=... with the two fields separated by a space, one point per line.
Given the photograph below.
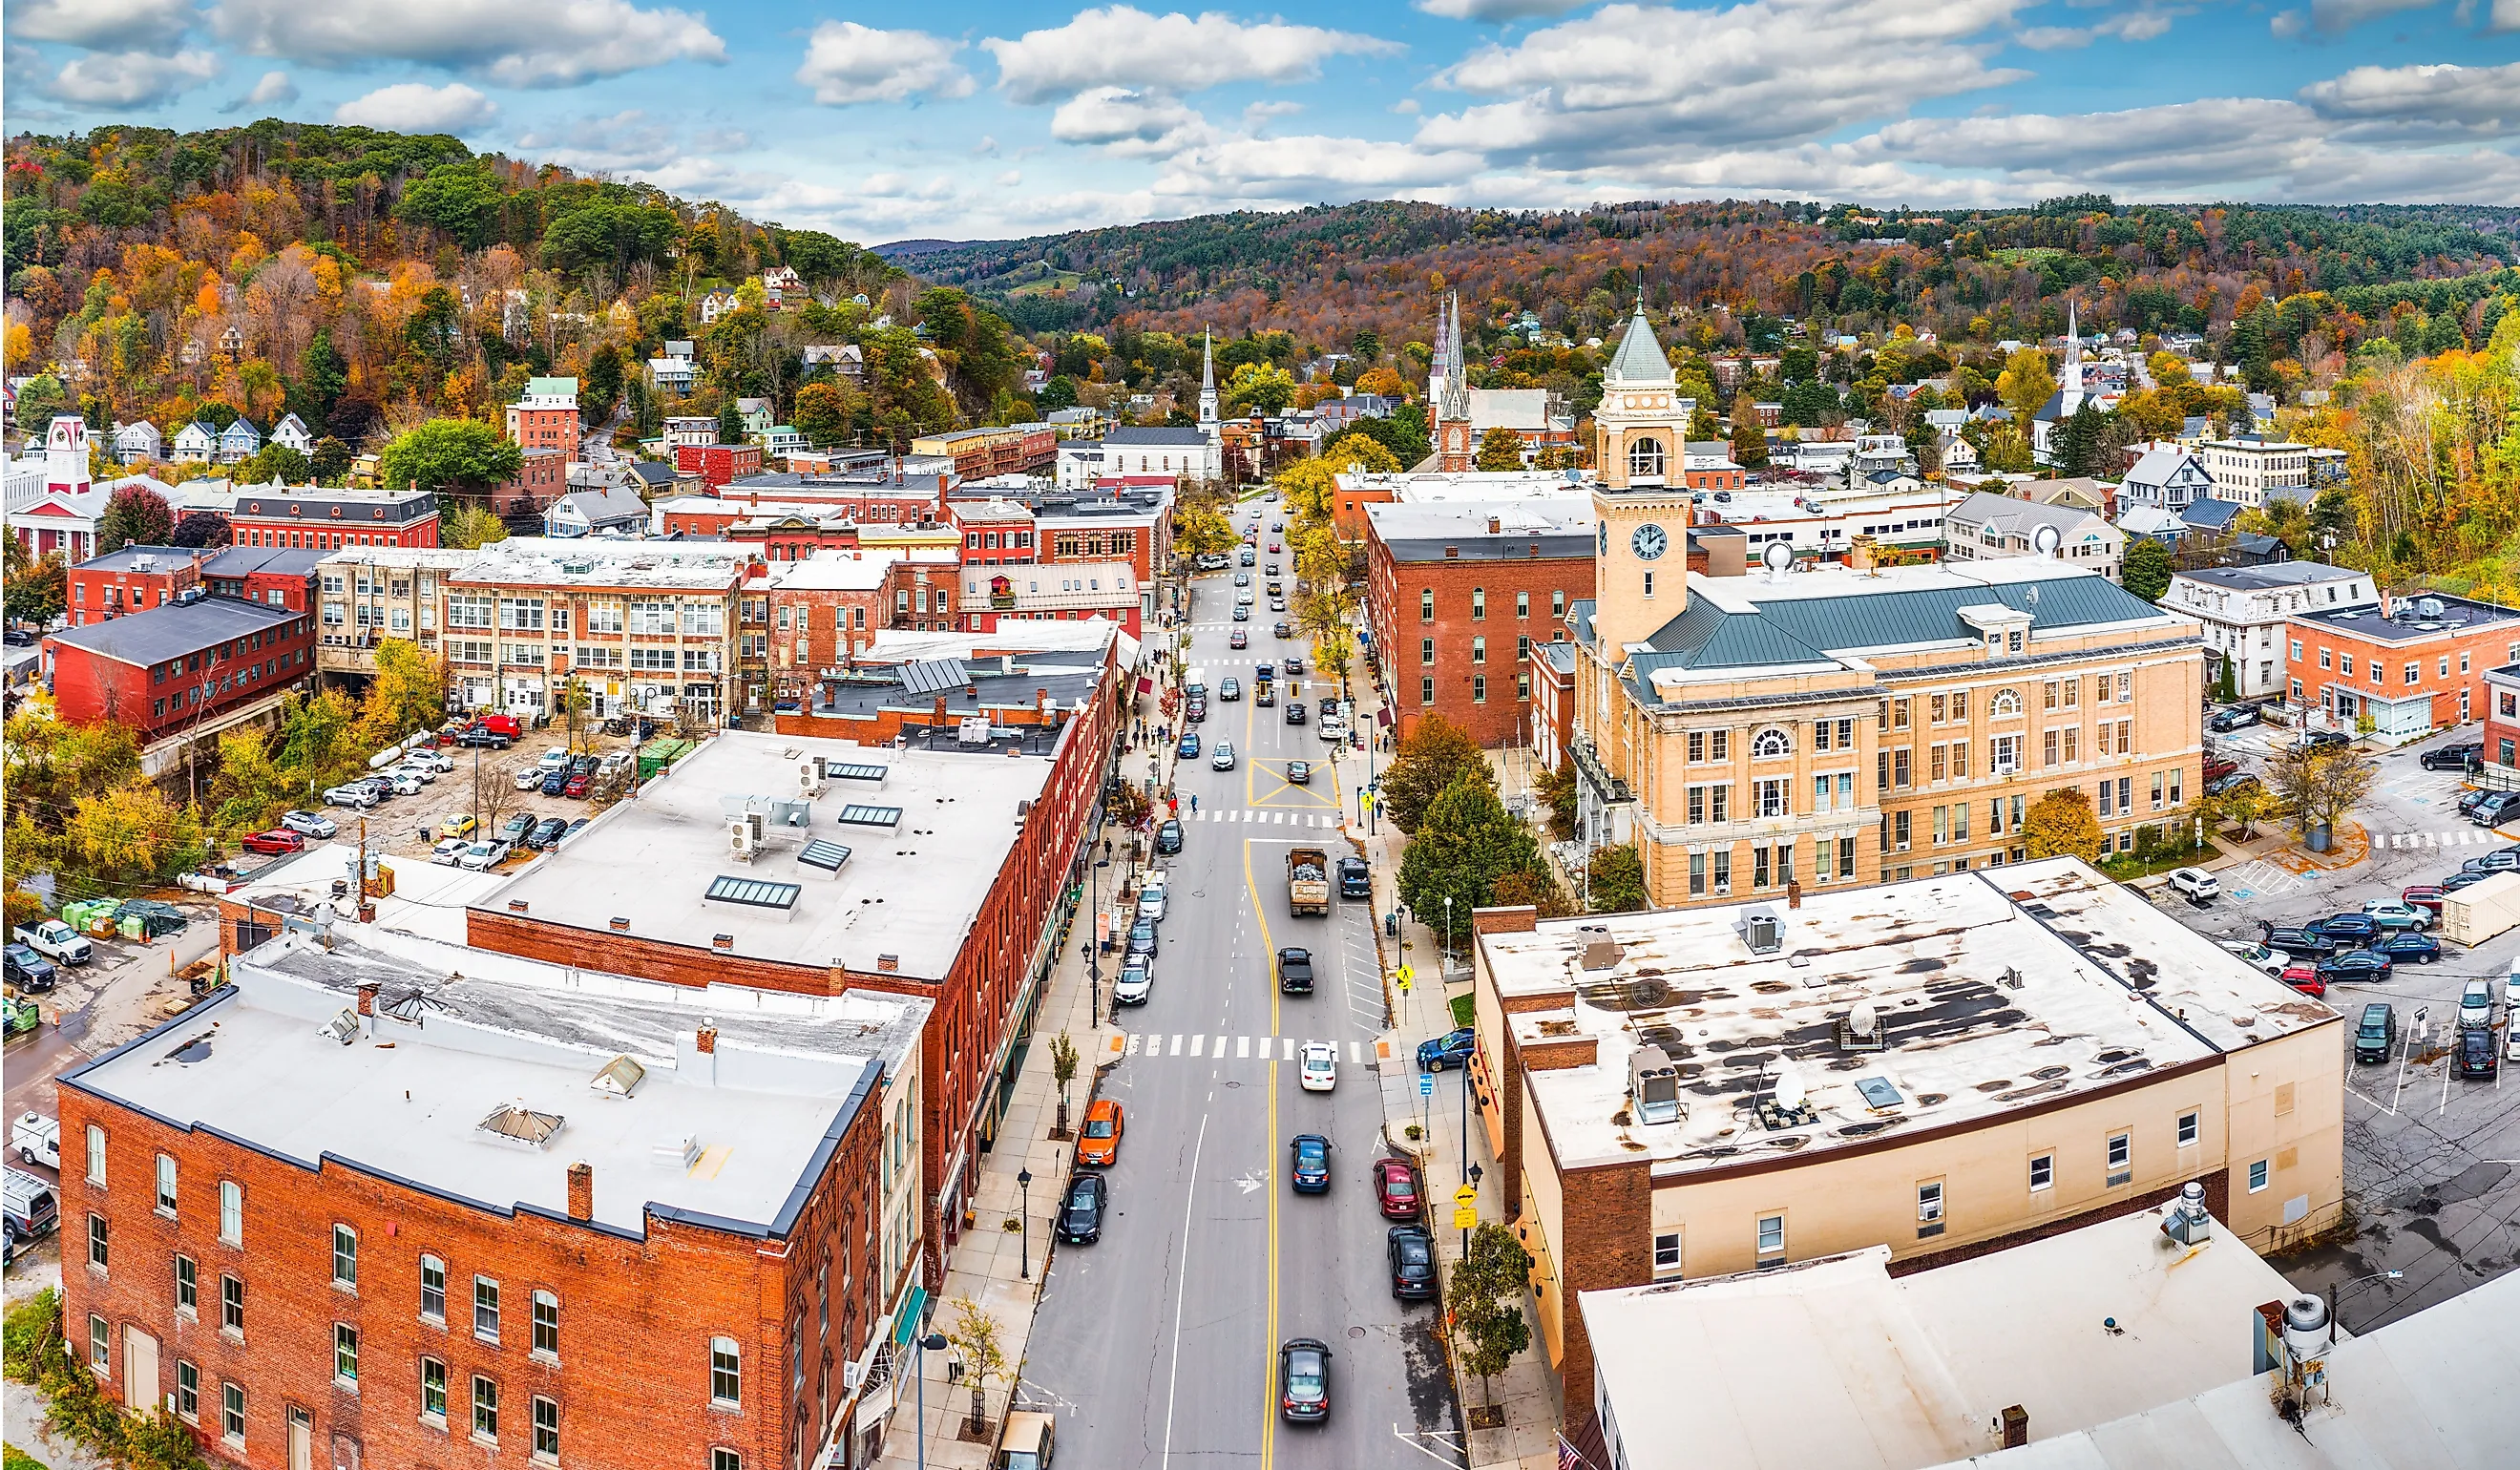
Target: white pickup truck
x=55 y=940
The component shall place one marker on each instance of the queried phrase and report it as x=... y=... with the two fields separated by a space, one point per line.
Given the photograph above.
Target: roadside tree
x=1434 y=753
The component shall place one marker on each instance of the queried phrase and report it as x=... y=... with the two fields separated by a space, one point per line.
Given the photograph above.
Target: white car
x=449 y=851
x=553 y=759
x=361 y=797
x=403 y=783
x=308 y=824
x=2273 y=962
x=426 y=770
x=1223 y=760
x=1320 y=1067
x=2195 y=883
x=1135 y=983
x=530 y=779
x=434 y=759
x=2398 y=916
x=1150 y=902
x=481 y=855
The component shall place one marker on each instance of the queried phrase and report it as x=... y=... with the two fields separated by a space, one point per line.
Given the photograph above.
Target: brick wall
x=1604 y=1247
x=1394 y=606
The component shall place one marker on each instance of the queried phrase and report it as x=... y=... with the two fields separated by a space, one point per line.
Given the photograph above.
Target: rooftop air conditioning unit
x=2428 y=606
x=743 y=835
x=1654 y=1083
x=1763 y=931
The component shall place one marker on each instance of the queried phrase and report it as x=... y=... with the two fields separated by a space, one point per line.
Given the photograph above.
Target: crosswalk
x=1271 y=815
x=2464 y=836
x=1285 y=1048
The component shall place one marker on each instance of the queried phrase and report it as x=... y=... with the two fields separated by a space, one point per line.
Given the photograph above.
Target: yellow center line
x=1269 y=1348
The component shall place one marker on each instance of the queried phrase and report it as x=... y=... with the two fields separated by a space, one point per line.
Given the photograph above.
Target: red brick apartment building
x=546 y=418
x=2416 y=663
x=318 y=518
x=1457 y=591
x=336 y=1234
x=959 y=908
x=169 y=670
x=718 y=463
x=137 y=578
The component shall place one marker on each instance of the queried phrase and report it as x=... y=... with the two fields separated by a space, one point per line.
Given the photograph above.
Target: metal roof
x=141 y=639
x=1795 y=630
x=1640 y=357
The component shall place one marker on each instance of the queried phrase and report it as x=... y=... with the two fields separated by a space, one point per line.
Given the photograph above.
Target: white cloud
x=138 y=24
x=1129 y=123
x=2333 y=16
x=2141 y=24
x=2288 y=25
x=1631 y=82
x=1407 y=107
x=273 y=90
x=417 y=107
x=1122 y=46
x=129 y=78
x=1290 y=169
x=624 y=141
x=1496 y=10
x=2480 y=98
x=846 y=63
x=2506 y=16
x=515 y=45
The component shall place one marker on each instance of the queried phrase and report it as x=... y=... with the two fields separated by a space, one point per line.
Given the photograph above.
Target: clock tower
x=1641 y=501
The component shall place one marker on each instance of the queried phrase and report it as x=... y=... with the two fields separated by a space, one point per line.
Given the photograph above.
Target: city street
x=1157 y=1344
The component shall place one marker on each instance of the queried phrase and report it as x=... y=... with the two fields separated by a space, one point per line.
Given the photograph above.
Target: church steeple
x=1208 y=420
x=1448 y=387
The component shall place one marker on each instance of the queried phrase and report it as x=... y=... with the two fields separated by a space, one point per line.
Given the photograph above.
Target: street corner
x=1111 y=1046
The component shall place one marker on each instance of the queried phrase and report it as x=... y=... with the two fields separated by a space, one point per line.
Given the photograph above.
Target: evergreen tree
x=1464 y=844
x=2146 y=573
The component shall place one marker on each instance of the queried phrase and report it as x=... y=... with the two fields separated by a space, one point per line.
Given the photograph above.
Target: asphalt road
x=1157 y=1344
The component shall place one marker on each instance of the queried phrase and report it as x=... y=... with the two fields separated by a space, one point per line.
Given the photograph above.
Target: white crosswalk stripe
x=2465 y=836
x=1280 y=816
x=1262 y=1048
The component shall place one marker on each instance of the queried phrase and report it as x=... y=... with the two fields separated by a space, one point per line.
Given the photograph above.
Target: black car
x=2377 y=1033
x=1312 y=1163
x=2314 y=740
x=1168 y=838
x=2469 y=801
x=1413 y=1263
x=1295 y=971
x=557 y=782
x=2477 y=1054
x=2295 y=940
x=1080 y=1210
x=2465 y=878
x=2407 y=944
x=1304 y=1380
x=547 y=833
x=1329 y=704
x=2347 y=929
x=2462 y=757
x=1294 y=664
x=1142 y=937
x=2238 y=716
x=2501 y=860
x=1295 y=712
x=1356 y=879
x=477 y=738
x=28 y=971
x=2357 y=966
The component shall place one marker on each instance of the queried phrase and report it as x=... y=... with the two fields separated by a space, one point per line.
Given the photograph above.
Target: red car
x=2422 y=896
x=1272 y=548
x=2305 y=979
x=278 y=841
x=578 y=785
x=1395 y=1189
x=2217 y=767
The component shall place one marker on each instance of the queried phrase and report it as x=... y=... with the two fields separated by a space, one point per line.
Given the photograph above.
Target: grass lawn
x=2128 y=868
x=1462 y=1012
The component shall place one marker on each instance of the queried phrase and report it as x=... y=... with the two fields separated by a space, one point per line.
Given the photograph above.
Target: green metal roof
x=1802 y=629
x=1640 y=357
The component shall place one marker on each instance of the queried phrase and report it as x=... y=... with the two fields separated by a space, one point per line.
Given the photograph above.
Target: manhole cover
x=1233 y=1084
x=1356 y=1332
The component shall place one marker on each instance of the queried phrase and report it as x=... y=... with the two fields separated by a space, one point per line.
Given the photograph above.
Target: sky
x=988 y=120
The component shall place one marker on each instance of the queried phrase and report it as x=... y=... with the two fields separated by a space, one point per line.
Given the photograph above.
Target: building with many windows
x=1455 y=595
x=178 y=670
x=2409 y=664
x=384 y=1201
x=651 y=634
x=1940 y=1066
x=2252 y=469
x=315 y=517
x=2243 y=609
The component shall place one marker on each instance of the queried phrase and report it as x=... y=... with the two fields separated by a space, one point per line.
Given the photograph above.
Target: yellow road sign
x=1468 y=1194
x=1465 y=1218
x=1405 y=973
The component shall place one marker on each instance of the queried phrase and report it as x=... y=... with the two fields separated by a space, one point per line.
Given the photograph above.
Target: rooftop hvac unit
x=1654 y=1083
x=343 y=1027
x=809 y=778
x=1763 y=931
x=743 y=835
x=2428 y=606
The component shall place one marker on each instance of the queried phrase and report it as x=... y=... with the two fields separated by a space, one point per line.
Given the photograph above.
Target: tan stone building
x=1942 y=1066
x=1848 y=724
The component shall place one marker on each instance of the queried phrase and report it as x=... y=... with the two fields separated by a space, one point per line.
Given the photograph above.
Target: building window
x=432 y=1391
x=1650 y=584
x=1426 y=605
x=345 y=1256
x=96 y=1155
x=100 y=1345
x=485 y=1308
x=2121 y=1158
x=188 y=1390
x=432 y=1289
x=1697 y=875
x=1478 y=604
x=485 y=1409
x=188 y=1286
x=231 y=1212
x=1723 y=871
x=546 y=1341
x=1771 y=743
x=1771 y=1239
x=232 y=1413
x=1666 y=1256
x=2043 y=1172
x=1478 y=688
x=1771 y=797
x=725 y=1460
x=726 y=1372
x=2415 y=673
x=345 y=1354
x=546 y=1429
x=166 y=1184
x=1427 y=690
x=232 y=1304
x=2188 y=1130
x=1478 y=651
x=2257 y=1176
x=96 y=1252
x=1523 y=605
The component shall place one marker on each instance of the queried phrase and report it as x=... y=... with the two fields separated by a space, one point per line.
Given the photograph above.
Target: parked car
x=461 y=824
x=355 y=794
x=28 y=971
x=1026 y=1441
x=2218 y=767
x=519 y=829
x=279 y=840
x=2295 y=940
x=309 y=824
x=1080 y=1210
x=579 y=782
x=477 y=738
x=2273 y=962
x=2476 y=1003
x=2477 y=1057
x=2464 y=756
x=2375 y=1036
x=1150 y=902
x=2424 y=896
x=2318 y=740
x=449 y=851
x=2347 y=929
x=1168 y=838
x=2195 y=883
x=2501 y=860
x=480 y=857
x=1097 y=1142
x=1412 y=1252
x=547 y=833
x=1299 y=772
x=1451 y=1048
x=36 y=1139
x=554 y=780
x=2465 y=878
x=2355 y=967
x=2230 y=783
x=2394 y=916
x=2496 y=809
x=2231 y=716
x=1137 y=983
x=530 y=779
x=1318 y=1067
x=2304 y=977
x=2408 y=944
x=1142 y=938
x=1304 y=1380
x=1395 y=1189
x=1312 y=1163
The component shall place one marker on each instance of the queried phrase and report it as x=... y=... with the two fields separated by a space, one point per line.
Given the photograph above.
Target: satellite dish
x=1788 y=1088
x=1777 y=556
x=2046 y=539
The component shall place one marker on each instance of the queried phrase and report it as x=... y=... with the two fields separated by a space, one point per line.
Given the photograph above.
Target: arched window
x=1768 y=744
x=2007 y=702
x=1645 y=458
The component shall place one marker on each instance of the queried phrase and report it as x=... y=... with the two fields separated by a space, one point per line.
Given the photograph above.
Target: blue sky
x=979 y=120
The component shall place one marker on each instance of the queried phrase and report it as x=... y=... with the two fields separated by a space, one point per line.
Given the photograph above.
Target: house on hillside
x=844 y=358
x=2167 y=477
x=756 y=416
x=197 y=442
x=136 y=442
x=715 y=304
x=292 y=434
x=592 y=513
x=239 y=440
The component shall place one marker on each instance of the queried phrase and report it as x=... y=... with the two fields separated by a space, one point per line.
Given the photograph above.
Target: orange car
x=1100 y=1142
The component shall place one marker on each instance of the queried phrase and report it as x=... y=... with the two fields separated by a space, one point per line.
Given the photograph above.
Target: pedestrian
x=1193 y=803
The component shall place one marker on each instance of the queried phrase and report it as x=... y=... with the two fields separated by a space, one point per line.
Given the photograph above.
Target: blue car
x=2423 y=949
x=1188 y=747
x=1312 y=1163
x=2363 y=966
x=1451 y=1048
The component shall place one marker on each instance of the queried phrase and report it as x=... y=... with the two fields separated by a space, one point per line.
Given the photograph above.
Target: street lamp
x=1093 y=945
x=2341 y=1288
x=1475 y=1173
x=933 y=1341
x=1023 y=1221
x=1447 y=931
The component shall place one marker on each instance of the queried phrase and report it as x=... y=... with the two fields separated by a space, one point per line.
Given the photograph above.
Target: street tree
x=135 y=515
x=1536 y=886
x=1463 y=843
x=1063 y=1071
x=1557 y=789
x=470 y=527
x=1202 y=530
x=125 y=837
x=449 y=457
x=1615 y=880
x=407 y=695
x=2025 y=385
x=974 y=1339
x=2243 y=806
x=2147 y=570
x=1749 y=433
x=1434 y=752
x=1485 y=1300
x=2061 y=824
x=2321 y=784
x=1499 y=447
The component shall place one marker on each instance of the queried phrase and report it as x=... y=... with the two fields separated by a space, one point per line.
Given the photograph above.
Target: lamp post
x=1474 y=1175
x=2341 y=1288
x=1094 y=944
x=1448 y=936
x=932 y=1342
x=1023 y=1222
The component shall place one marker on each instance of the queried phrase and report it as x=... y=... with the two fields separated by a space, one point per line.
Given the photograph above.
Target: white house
x=2167 y=477
x=588 y=512
x=197 y=442
x=672 y=375
x=291 y=433
x=1182 y=452
x=694 y=431
x=239 y=440
x=136 y=442
x=1986 y=527
x=715 y=304
x=755 y=412
x=2248 y=468
x=2243 y=609
x=783 y=440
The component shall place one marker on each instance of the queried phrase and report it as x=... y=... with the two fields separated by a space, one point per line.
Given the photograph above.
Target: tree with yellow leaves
x=2061 y=824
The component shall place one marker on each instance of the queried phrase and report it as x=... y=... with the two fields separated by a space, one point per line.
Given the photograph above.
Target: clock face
x=1649 y=542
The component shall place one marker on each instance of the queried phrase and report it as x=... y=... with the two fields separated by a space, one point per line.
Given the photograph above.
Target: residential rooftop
x=731 y=1138
x=1837 y=1363
x=925 y=835
x=1992 y=987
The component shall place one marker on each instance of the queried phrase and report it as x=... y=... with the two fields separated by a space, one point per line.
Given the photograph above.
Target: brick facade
x=327 y=521
x=2409 y=671
x=132 y=579
x=198 y=660
x=1482 y=611
x=718 y=463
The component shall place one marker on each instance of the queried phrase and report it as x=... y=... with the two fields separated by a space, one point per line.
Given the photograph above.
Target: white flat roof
x=911 y=890
x=429 y=898
x=835 y=571
x=1994 y=988
x=1837 y=1363
x=461 y=1036
x=1745 y=593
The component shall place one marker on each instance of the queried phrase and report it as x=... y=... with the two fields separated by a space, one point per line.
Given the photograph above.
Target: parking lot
x=490 y=787
x=2429 y=1157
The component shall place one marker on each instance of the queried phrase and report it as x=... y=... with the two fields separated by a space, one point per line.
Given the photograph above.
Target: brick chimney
x=367 y=999
x=708 y=1041
x=1793 y=895
x=581 y=1191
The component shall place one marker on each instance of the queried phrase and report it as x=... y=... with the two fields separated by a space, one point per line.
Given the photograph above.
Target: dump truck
x=1308 y=882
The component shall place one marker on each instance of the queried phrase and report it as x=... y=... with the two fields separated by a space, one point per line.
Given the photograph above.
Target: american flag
x=1568 y=1458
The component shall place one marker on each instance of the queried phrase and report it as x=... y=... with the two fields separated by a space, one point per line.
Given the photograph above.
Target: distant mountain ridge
x=906 y=250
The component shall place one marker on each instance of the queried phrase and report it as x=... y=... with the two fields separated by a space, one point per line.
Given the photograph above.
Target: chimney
x=581 y=1191
x=2016 y=1427
x=367 y=1000
x=707 y=1040
x=1793 y=895
x=1496 y=526
x=887 y=964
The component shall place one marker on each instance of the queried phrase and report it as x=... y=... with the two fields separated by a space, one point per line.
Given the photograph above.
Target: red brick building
x=132 y=579
x=2413 y=664
x=272 y=577
x=1455 y=592
x=168 y=670
x=541 y=479
x=718 y=465
x=996 y=532
x=891 y=494
x=546 y=418
x=2502 y=724
x=317 y=519
x=819 y=614
x=335 y=1252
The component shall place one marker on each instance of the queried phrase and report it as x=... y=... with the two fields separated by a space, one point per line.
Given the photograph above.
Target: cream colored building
x=1936 y=1066
x=1827 y=725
